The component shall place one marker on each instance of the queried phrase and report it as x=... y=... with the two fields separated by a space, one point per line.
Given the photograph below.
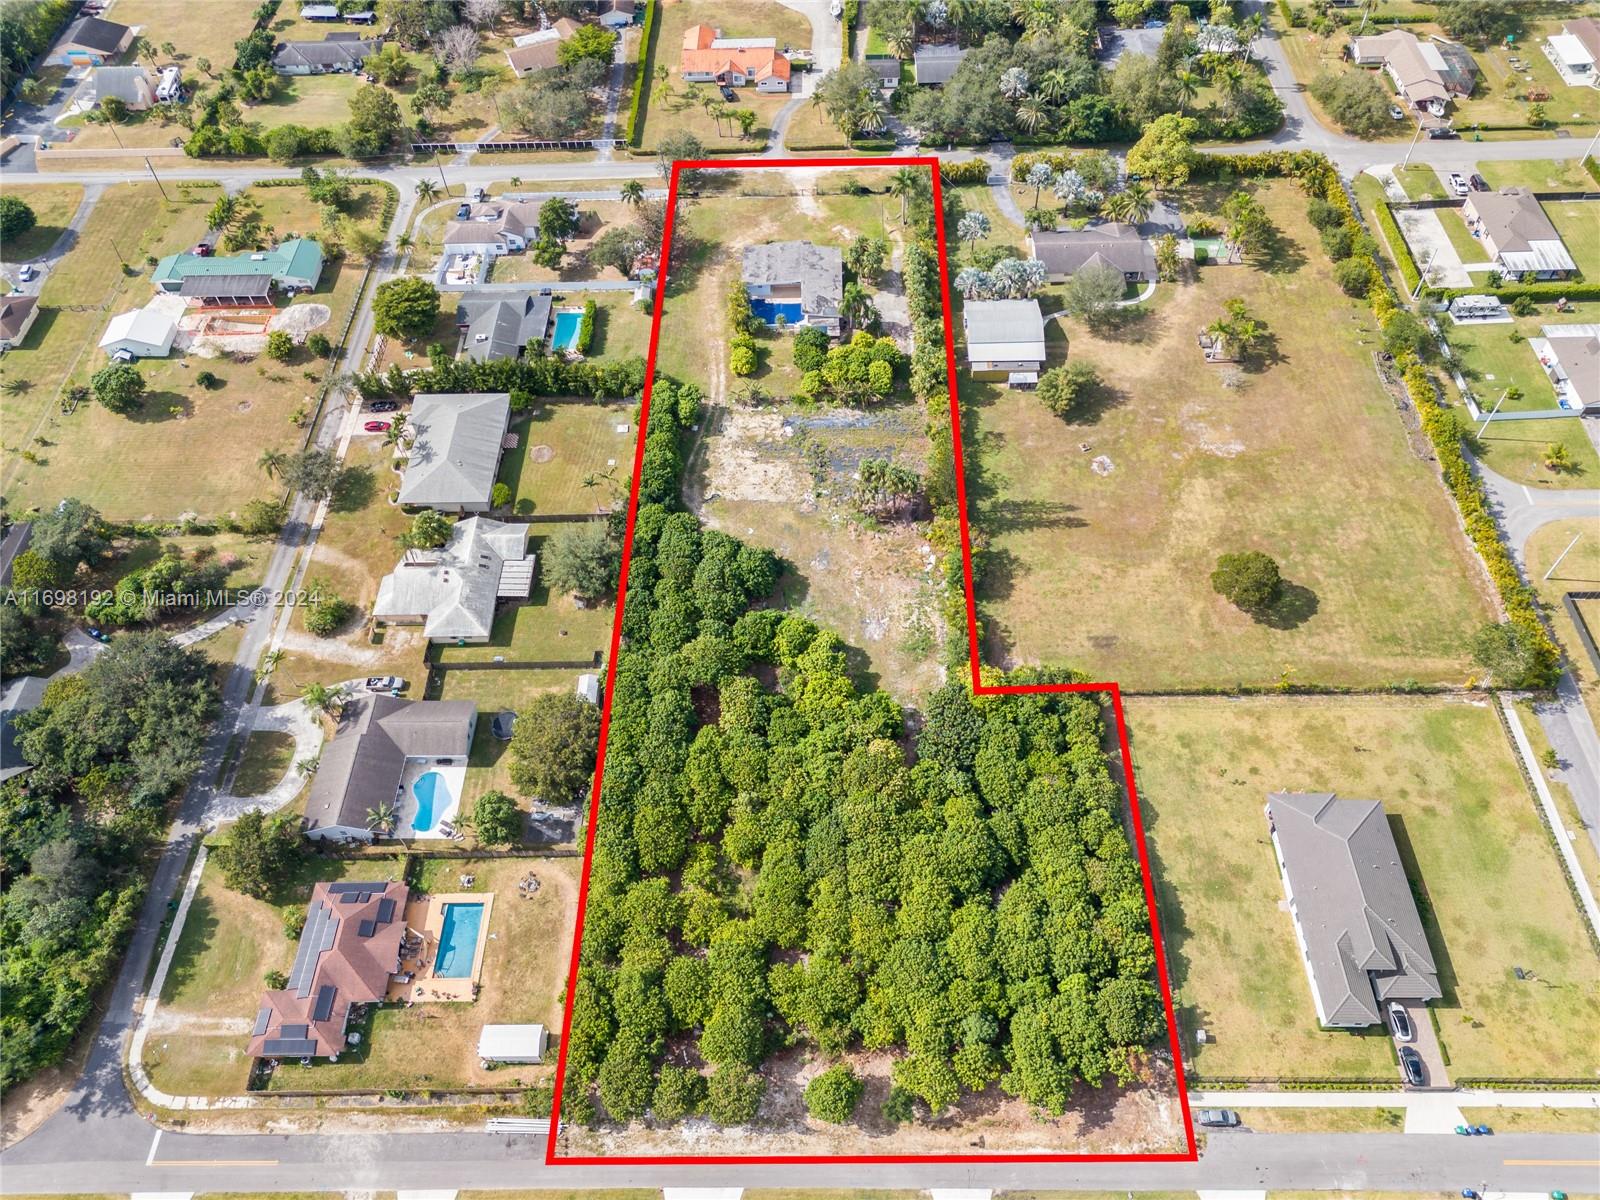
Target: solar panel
x=366 y=928
x=351 y=898
x=315 y=939
x=292 y=1047
x=385 y=911
x=295 y=1031
x=263 y=1021
x=324 y=1005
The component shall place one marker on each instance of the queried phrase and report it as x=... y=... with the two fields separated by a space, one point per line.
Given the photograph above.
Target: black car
x=729 y=94
x=1411 y=1063
x=1442 y=132
x=383 y=406
x=1477 y=183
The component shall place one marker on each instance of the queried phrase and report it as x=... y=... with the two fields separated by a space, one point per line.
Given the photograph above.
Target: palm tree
x=382 y=818
x=1138 y=200
x=205 y=65
x=855 y=306
x=1031 y=114
x=308 y=766
x=1054 y=85
x=902 y=42
x=404 y=242
x=1557 y=457
x=426 y=190
x=320 y=698
x=397 y=431
x=169 y=50
x=872 y=112
x=633 y=193
x=1229 y=77
x=272 y=462
x=1188 y=87
x=269 y=664
x=905 y=183
x=972 y=227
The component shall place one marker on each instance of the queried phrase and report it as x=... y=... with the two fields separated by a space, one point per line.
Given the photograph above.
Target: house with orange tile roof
x=708 y=57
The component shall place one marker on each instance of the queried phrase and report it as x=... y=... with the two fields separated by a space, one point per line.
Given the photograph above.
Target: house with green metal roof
x=294 y=265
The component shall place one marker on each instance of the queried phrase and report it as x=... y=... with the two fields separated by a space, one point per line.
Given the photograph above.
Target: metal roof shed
x=513 y=1043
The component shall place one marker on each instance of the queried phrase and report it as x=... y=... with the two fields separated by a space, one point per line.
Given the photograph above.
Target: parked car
x=376 y=426
x=26 y=273
x=386 y=683
x=383 y=406
x=729 y=94
x=203 y=250
x=1396 y=112
x=1400 y=1023
x=1458 y=183
x=478 y=195
x=463 y=212
x=1411 y=1064
x=1217 y=1118
x=1478 y=182
x=1440 y=132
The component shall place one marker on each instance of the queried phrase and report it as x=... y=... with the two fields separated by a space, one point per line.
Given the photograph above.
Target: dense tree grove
x=108 y=747
x=771 y=868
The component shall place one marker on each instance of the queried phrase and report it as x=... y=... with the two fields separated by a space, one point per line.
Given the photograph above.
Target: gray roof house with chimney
x=454 y=456
x=453 y=592
x=363 y=765
x=1360 y=935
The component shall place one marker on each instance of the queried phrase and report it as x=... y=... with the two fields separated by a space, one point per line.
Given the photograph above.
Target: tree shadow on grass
x=200 y=928
x=1296 y=604
x=1278 y=254
x=161 y=406
x=1134 y=325
x=1012 y=516
x=356 y=488
x=1430 y=921
x=1096 y=402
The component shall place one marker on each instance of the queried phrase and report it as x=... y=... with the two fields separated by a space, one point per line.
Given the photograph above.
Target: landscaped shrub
x=586 y=327
x=972 y=170
x=326 y=611
x=633 y=131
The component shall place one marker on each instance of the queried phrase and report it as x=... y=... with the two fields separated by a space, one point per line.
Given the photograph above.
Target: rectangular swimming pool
x=565 y=334
x=770 y=310
x=458 y=941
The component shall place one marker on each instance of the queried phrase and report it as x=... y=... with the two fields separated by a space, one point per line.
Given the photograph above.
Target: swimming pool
x=428 y=787
x=565 y=336
x=770 y=310
x=458 y=941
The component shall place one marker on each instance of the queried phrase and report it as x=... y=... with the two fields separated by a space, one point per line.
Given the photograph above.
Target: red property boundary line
x=978 y=687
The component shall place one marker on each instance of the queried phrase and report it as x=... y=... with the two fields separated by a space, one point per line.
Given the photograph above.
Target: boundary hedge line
x=1398 y=246
x=641 y=73
x=1592 y=167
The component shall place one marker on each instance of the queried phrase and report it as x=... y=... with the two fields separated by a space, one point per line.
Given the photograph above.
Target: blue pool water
x=458 y=941
x=565 y=336
x=428 y=787
x=770 y=310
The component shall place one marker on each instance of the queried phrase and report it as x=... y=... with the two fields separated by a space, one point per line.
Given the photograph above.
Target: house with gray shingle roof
x=1518 y=234
x=494 y=325
x=1065 y=252
x=131 y=85
x=336 y=54
x=798 y=277
x=93 y=40
x=455 y=450
x=1360 y=935
x=453 y=592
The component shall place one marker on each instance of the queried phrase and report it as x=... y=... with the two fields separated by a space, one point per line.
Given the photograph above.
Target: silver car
x=1400 y=1023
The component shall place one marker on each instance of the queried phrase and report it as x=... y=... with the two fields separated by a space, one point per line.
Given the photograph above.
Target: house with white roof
x=139 y=333
x=131 y=85
x=1575 y=51
x=1518 y=234
x=1005 y=340
x=453 y=591
x=454 y=456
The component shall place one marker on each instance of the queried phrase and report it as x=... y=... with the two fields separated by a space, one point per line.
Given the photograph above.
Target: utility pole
x=1563 y=554
x=439 y=162
x=1492 y=412
x=1422 y=277
x=156 y=177
x=1413 y=146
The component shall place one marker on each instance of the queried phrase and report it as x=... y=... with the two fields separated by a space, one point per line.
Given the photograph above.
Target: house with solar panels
x=349 y=948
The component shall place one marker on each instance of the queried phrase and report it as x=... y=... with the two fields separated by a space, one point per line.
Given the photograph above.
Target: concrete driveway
x=1426 y=1043
x=1431 y=247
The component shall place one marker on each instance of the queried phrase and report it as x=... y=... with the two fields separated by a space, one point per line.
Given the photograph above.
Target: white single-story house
x=457 y=439
x=139 y=333
x=131 y=85
x=616 y=14
x=1005 y=340
x=453 y=591
x=1575 y=52
x=513 y=1043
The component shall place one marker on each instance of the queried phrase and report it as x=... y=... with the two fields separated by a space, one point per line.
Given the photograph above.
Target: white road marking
x=154 y=1142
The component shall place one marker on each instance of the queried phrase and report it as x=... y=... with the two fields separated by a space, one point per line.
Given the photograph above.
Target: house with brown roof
x=708 y=57
x=540 y=51
x=1517 y=233
x=348 y=949
x=93 y=41
x=17 y=314
x=1427 y=74
x=1575 y=52
x=1570 y=356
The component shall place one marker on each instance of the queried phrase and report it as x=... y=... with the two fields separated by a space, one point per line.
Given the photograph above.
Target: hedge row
x=973 y=170
x=633 y=131
x=1593 y=167
x=586 y=327
x=850 y=8
x=1545 y=293
x=1398 y=246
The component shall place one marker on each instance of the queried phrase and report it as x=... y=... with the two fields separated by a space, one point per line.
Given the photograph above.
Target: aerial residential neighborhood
x=812 y=598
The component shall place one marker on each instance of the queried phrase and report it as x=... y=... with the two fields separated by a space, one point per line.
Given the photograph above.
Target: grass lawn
x=665 y=111
x=1542 y=174
x=267 y=755
x=1469 y=248
x=524 y=975
x=562 y=444
x=1578 y=223
x=308 y=100
x=356 y=549
x=1323 y=1120
x=228 y=944
x=810 y=129
x=53 y=205
x=1199 y=469
x=1516 y=449
x=142 y=466
x=1492 y=361
x=1421 y=182
x=621 y=328
x=1535 y=1120
x=1501 y=95
x=193 y=36
x=1002 y=230
x=1490 y=891
x=1579 y=572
